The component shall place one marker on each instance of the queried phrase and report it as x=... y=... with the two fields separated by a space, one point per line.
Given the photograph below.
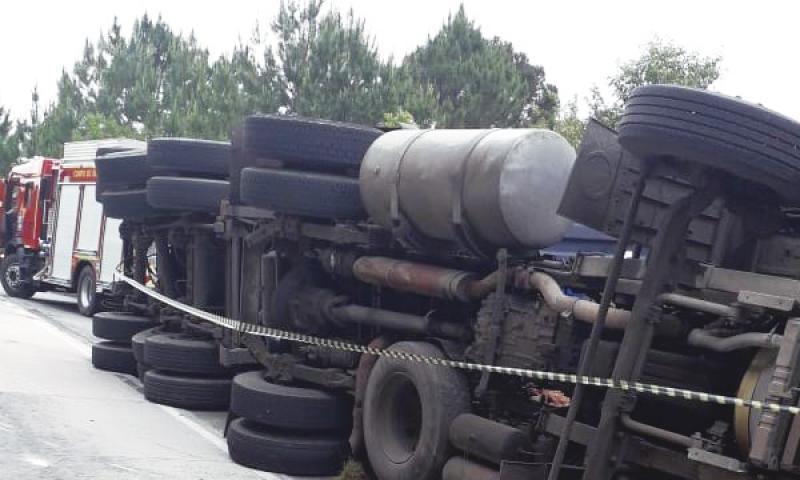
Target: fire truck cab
x=55 y=235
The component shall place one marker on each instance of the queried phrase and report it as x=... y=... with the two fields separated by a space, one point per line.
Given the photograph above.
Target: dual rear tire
x=288 y=429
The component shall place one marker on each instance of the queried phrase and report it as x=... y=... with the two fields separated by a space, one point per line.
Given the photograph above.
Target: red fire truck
x=55 y=236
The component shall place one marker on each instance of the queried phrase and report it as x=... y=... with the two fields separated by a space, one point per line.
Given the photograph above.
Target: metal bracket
x=498 y=313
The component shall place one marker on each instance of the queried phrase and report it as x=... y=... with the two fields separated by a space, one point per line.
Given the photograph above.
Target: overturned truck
x=502 y=355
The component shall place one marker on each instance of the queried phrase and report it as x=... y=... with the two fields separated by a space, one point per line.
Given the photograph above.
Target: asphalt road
x=62 y=419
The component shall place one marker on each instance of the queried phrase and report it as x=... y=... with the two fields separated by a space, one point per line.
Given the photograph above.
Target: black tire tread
x=189 y=156
x=114 y=357
x=119 y=326
x=296 y=408
x=302 y=193
x=745 y=140
x=192 y=393
x=129 y=204
x=308 y=142
x=26 y=291
x=121 y=170
x=181 y=193
x=256 y=447
x=178 y=352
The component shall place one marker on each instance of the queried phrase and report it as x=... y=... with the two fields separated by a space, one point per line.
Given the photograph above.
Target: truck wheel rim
x=85 y=293
x=401 y=418
x=13 y=276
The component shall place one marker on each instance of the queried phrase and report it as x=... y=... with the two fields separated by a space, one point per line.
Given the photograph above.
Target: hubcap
x=14 y=276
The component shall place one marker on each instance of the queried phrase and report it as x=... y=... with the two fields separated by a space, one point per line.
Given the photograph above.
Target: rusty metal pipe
x=418 y=278
x=403 y=322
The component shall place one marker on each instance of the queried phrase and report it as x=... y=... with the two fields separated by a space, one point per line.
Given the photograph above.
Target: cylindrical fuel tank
x=504 y=185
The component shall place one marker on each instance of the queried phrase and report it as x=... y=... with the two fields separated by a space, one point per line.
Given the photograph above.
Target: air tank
x=502 y=186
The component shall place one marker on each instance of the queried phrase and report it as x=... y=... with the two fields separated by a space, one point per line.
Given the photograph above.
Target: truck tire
x=189 y=156
x=296 y=408
x=121 y=170
x=141 y=369
x=179 y=352
x=408 y=409
x=262 y=448
x=138 y=340
x=128 y=204
x=114 y=357
x=192 y=194
x=309 y=143
x=302 y=193
x=11 y=278
x=745 y=140
x=86 y=289
x=119 y=326
x=189 y=392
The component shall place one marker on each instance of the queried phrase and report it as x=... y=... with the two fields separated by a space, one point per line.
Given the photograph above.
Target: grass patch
x=353 y=470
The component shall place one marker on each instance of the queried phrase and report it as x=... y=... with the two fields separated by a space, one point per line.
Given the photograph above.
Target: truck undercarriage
x=450 y=261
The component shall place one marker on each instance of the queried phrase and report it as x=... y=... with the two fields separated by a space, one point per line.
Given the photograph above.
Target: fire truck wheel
x=119 y=326
x=309 y=143
x=179 y=352
x=11 y=278
x=114 y=357
x=128 y=204
x=752 y=144
x=186 y=391
x=193 y=194
x=88 y=301
x=191 y=156
x=281 y=406
x=263 y=448
x=408 y=409
x=302 y=193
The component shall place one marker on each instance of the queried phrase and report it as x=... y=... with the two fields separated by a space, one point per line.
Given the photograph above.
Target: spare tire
x=184 y=391
x=306 y=142
x=119 y=326
x=193 y=194
x=295 y=408
x=121 y=170
x=191 y=156
x=128 y=204
x=745 y=140
x=408 y=409
x=263 y=448
x=302 y=193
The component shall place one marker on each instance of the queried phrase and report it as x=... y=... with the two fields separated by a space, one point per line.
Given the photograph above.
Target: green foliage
x=95 y=126
x=323 y=63
x=661 y=62
x=569 y=125
x=397 y=119
x=480 y=82
x=9 y=142
x=328 y=66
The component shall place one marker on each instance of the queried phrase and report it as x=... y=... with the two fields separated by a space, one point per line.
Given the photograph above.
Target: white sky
x=579 y=43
